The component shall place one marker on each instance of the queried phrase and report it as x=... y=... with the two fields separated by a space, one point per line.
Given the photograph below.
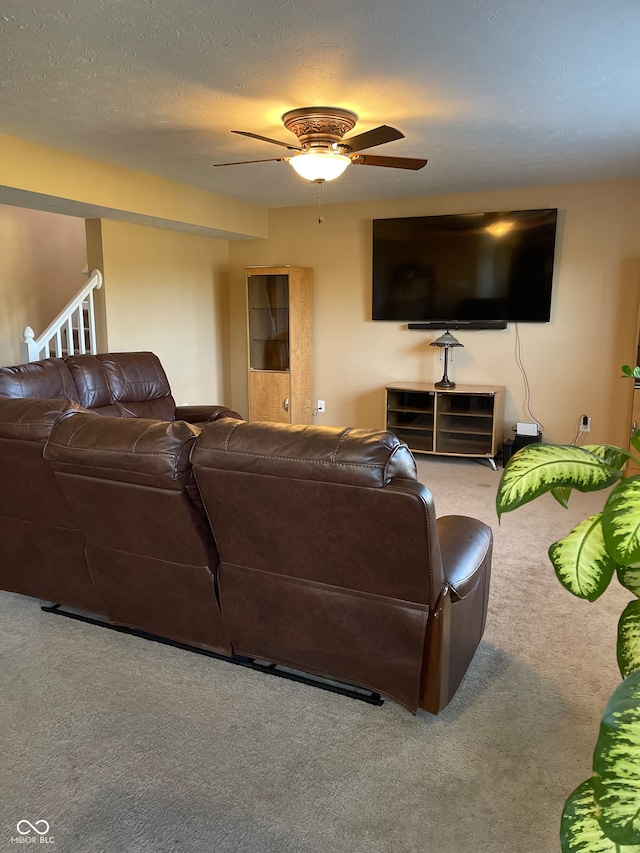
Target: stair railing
x=73 y=331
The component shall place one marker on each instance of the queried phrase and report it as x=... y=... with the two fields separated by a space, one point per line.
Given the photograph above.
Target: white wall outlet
x=320 y=406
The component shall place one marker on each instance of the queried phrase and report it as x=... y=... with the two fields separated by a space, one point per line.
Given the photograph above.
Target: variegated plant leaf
x=635 y=440
x=580 y=831
x=621 y=522
x=616 y=764
x=629 y=577
x=562 y=495
x=629 y=371
x=581 y=561
x=628 y=648
x=616 y=457
x=540 y=468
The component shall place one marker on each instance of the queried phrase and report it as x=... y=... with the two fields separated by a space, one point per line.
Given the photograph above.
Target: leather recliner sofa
x=149 y=549
x=311 y=547
x=118 y=384
x=42 y=548
x=332 y=560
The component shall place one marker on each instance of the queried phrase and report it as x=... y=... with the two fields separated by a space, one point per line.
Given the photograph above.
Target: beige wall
x=167 y=292
x=42 y=256
x=572 y=363
x=48 y=175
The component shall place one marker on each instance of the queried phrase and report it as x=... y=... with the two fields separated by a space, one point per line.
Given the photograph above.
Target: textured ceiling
x=496 y=93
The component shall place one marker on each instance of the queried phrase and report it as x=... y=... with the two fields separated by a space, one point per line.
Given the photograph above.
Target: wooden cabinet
x=467 y=420
x=279 y=319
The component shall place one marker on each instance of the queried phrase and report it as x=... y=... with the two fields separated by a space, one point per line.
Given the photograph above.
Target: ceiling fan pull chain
x=320 y=202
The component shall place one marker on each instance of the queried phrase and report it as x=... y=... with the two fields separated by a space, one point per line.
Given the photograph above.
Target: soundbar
x=459 y=324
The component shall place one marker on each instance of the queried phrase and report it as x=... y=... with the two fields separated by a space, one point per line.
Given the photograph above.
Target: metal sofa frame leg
x=350 y=690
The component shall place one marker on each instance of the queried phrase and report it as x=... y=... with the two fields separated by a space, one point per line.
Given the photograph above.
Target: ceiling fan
x=322 y=153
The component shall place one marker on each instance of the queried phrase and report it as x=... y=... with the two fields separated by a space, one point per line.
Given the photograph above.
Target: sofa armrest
x=200 y=414
x=465 y=544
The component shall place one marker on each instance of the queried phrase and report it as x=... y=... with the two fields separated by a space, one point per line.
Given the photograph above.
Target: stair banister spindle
x=70 y=348
x=92 y=324
x=82 y=329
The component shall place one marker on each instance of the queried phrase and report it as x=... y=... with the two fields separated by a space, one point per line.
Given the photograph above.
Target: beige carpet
x=124 y=745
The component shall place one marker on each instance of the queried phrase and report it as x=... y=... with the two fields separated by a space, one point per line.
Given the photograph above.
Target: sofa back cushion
x=350 y=456
x=49 y=378
x=127 y=384
x=134 y=450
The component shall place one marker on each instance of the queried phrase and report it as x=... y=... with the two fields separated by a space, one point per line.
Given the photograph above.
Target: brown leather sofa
x=150 y=551
x=42 y=548
x=310 y=547
x=118 y=384
x=332 y=560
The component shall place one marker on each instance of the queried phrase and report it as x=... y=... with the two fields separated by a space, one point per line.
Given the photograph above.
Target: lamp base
x=445 y=383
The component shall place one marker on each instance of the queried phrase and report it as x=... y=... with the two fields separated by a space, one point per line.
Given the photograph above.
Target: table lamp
x=447 y=341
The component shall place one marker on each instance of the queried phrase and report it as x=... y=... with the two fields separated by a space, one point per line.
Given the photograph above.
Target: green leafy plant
x=603 y=814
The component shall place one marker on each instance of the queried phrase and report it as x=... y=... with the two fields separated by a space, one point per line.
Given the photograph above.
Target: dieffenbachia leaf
x=615 y=457
x=628 y=371
x=629 y=577
x=621 y=522
x=616 y=764
x=581 y=561
x=580 y=831
x=635 y=440
x=628 y=648
x=540 y=468
x=562 y=495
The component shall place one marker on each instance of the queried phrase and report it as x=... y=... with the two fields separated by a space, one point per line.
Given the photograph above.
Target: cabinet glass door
x=410 y=417
x=465 y=423
x=268 y=322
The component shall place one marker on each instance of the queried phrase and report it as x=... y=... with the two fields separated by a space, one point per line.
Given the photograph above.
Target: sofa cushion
x=90 y=381
x=31 y=419
x=135 y=450
x=138 y=384
x=47 y=378
x=331 y=454
x=126 y=384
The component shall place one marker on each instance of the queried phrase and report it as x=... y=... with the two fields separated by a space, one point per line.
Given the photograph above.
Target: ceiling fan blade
x=266 y=139
x=242 y=162
x=371 y=138
x=412 y=163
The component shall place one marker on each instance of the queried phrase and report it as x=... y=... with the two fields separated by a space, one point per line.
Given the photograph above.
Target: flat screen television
x=464 y=269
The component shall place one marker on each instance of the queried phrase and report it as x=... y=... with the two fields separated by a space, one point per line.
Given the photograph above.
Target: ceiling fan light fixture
x=319 y=166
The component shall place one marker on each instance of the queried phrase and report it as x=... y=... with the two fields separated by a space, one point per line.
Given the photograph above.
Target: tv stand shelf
x=463 y=421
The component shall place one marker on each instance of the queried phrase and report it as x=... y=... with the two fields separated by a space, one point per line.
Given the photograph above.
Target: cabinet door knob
x=286 y=404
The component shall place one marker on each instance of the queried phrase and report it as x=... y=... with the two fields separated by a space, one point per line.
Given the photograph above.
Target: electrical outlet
x=320 y=407
x=585 y=423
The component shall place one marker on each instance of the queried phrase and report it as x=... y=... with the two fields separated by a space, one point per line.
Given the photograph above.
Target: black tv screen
x=469 y=267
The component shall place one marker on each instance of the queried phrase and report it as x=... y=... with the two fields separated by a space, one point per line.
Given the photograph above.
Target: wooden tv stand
x=463 y=421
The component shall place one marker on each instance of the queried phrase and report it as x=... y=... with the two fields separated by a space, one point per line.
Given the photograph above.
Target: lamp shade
x=319 y=166
x=446 y=340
